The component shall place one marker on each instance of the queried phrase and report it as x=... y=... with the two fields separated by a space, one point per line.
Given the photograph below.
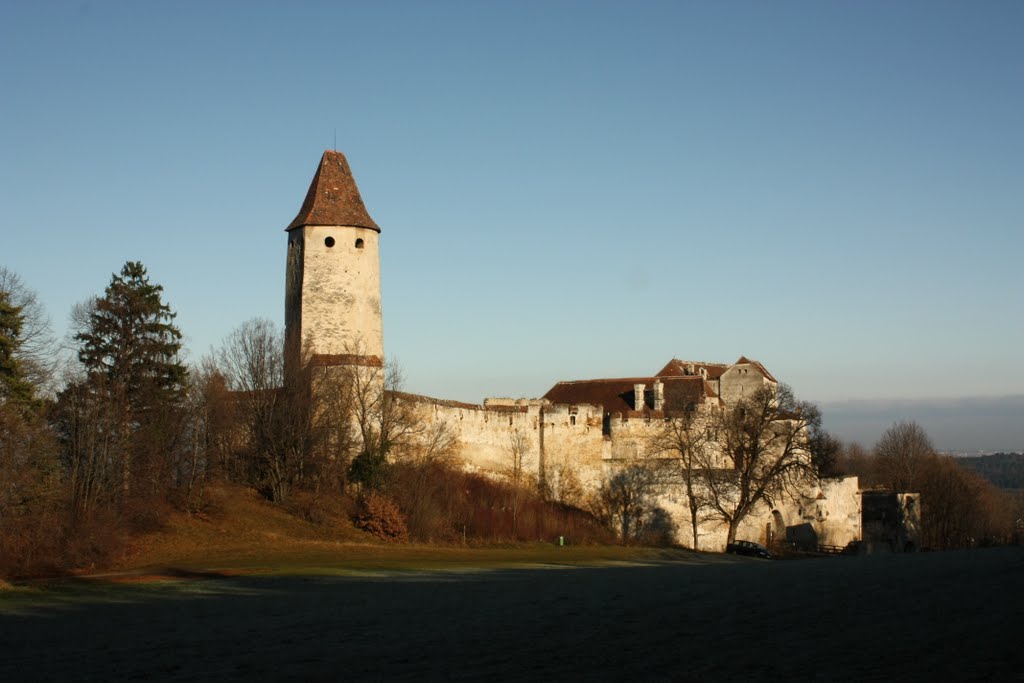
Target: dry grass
x=244 y=533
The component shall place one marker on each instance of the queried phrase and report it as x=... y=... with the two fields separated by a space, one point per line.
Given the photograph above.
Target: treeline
x=959 y=507
x=1005 y=470
x=109 y=445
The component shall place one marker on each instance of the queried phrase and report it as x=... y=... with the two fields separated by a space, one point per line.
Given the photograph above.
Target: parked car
x=748 y=548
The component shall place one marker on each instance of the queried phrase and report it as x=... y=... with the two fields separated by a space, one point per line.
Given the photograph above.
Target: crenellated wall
x=562 y=443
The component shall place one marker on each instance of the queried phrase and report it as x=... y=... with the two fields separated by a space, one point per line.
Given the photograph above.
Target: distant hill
x=1005 y=470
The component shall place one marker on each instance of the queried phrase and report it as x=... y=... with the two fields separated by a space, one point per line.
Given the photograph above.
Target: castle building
x=579 y=432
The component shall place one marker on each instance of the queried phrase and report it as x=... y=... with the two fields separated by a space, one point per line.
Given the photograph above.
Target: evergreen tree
x=129 y=408
x=14 y=386
x=132 y=342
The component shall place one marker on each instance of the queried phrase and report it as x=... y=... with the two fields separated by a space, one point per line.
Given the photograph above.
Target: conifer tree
x=29 y=350
x=129 y=407
x=14 y=386
x=132 y=342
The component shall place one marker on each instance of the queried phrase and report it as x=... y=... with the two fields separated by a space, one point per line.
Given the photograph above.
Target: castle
x=574 y=436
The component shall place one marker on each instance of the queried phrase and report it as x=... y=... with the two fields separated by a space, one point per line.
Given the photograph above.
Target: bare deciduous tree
x=89 y=429
x=272 y=405
x=764 y=443
x=518 y=449
x=959 y=509
x=684 y=445
x=390 y=423
x=567 y=488
x=901 y=454
x=211 y=437
x=625 y=500
x=321 y=425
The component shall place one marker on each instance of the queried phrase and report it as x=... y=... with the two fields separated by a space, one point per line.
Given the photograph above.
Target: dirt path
x=948 y=615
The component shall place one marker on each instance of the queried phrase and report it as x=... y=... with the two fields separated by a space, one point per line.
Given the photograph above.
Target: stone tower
x=332 y=290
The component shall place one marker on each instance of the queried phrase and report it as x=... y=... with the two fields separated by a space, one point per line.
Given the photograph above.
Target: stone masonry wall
x=567 y=444
x=738 y=382
x=339 y=310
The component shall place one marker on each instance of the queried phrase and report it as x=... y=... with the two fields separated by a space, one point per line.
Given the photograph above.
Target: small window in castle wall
x=572 y=419
x=359 y=243
x=329 y=241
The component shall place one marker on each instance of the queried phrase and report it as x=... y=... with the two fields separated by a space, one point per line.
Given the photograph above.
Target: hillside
x=1005 y=470
x=247 y=534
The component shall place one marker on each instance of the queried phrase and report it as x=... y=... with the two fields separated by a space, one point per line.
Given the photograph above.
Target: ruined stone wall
x=568 y=451
x=565 y=447
x=485 y=435
x=711 y=533
x=332 y=296
x=891 y=521
x=631 y=436
x=830 y=509
x=575 y=449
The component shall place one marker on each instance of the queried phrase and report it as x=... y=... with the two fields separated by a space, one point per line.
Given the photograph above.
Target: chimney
x=659 y=395
x=638 y=397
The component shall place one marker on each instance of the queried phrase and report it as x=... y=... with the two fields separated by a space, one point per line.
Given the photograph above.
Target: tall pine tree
x=14 y=387
x=132 y=342
x=129 y=408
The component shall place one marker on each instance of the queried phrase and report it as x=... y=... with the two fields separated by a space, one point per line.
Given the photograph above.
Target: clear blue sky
x=566 y=189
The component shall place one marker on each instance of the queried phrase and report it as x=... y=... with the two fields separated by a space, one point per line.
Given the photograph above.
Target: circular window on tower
x=359 y=243
x=329 y=242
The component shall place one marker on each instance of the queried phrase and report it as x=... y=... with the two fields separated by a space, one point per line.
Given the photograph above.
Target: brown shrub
x=47 y=544
x=380 y=517
x=443 y=503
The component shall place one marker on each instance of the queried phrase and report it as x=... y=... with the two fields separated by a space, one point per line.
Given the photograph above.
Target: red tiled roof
x=616 y=395
x=677 y=368
x=333 y=198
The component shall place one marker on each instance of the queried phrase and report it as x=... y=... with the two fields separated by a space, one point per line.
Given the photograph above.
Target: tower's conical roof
x=333 y=198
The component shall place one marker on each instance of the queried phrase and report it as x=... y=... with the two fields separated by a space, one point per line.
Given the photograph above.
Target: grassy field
x=249 y=535
x=254 y=593
x=948 y=616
